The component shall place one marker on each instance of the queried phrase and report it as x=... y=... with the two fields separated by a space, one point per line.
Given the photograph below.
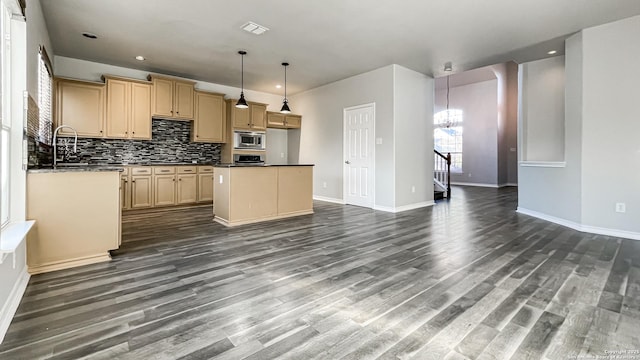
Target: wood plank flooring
x=469 y=278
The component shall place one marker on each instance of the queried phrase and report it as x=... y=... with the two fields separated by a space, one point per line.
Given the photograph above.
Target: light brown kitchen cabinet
x=254 y=118
x=128 y=109
x=141 y=191
x=187 y=188
x=282 y=121
x=125 y=192
x=171 y=98
x=164 y=185
x=79 y=104
x=209 y=123
x=205 y=183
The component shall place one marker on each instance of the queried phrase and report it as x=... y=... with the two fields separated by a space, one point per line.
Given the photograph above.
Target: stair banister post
x=448 y=175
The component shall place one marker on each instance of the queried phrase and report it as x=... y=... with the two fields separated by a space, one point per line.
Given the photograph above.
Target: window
x=447 y=136
x=5 y=140
x=44 y=97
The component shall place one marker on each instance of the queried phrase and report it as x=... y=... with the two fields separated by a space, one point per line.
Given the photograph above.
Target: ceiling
x=324 y=41
x=473 y=76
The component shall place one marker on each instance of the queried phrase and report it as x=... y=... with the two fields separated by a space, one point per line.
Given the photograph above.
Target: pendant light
x=285 y=103
x=242 y=103
x=448 y=68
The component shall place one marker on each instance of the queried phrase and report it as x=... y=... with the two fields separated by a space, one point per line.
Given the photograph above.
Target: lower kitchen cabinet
x=164 y=190
x=187 y=188
x=125 y=192
x=141 y=195
x=205 y=187
x=150 y=186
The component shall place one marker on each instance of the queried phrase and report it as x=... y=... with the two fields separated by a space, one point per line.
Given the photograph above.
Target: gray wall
x=601 y=137
x=542 y=110
x=321 y=137
x=512 y=123
x=548 y=190
x=479 y=103
x=413 y=120
x=277 y=146
x=611 y=125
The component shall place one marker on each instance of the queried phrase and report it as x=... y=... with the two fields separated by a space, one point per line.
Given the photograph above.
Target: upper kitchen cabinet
x=171 y=98
x=282 y=121
x=209 y=124
x=79 y=104
x=128 y=108
x=254 y=118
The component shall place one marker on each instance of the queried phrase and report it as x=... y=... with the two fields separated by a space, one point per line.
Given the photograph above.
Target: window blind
x=45 y=98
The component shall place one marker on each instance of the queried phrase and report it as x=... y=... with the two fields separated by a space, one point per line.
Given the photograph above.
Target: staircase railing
x=442 y=170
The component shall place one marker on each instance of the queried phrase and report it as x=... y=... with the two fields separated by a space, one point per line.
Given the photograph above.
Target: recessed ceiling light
x=140 y=57
x=278 y=86
x=254 y=28
x=551 y=52
x=448 y=66
x=89 y=35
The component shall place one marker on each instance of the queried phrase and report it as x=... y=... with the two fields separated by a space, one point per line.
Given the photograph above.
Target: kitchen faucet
x=55 y=143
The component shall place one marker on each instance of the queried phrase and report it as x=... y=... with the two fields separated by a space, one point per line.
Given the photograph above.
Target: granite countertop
x=86 y=168
x=258 y=165
x=104 y=167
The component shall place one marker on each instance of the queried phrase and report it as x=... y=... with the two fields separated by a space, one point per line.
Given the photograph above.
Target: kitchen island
x=77 y=213
x=249 y=194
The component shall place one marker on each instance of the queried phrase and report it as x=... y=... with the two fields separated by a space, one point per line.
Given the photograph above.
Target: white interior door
x=359 y=125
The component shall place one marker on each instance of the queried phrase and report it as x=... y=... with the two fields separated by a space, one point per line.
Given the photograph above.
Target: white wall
x=25 y=39
x=500 y=70
x=479 y=103
x=611 y=125
x=542 y=110
x=277 y=144
x=321 y=136
x=413 y=137
x=93 y=71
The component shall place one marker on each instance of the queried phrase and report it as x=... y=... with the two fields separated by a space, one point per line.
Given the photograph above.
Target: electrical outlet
x=324 y=185
x=621 y=207
x=220 y=179
x=413 y=189
x=282 y=155
x=513 y=149
x=469 y=174
x=378 y=141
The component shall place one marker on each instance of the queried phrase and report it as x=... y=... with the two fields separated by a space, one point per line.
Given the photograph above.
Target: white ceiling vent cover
x=254 y=28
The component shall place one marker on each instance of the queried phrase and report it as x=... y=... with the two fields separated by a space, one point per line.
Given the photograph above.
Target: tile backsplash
x=170 y=142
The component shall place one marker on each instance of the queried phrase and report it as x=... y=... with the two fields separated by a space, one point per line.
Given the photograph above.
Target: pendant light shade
x=242 y=103
x=285 y=103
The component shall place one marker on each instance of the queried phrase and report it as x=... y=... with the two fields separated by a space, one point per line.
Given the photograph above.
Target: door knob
x=347 y=162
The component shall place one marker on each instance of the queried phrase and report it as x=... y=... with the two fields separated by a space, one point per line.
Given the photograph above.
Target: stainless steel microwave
x=249 y=140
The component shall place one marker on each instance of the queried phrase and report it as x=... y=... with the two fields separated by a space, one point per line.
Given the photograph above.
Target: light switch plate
x=379 y=141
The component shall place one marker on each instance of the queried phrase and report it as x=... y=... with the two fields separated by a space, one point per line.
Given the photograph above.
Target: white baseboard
x=509 y=184
x=11 y=305
x=580 y=227
x=328 y=199
x=404 y=207
x=475 y=184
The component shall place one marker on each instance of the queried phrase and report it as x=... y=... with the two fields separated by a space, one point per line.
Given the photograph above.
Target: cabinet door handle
x=133 y=132
x=180 y=179
x=173 y=180
x=133 y=181
x=126 y=133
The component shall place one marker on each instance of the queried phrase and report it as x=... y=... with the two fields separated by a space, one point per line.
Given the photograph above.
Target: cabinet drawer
x=187 y=169
x=205 y=169
x=164 y=170
x=141 y=171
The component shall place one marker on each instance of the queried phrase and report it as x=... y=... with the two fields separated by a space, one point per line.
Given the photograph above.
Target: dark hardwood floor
x=469 y=278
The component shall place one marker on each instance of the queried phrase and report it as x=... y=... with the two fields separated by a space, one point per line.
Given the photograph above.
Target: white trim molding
x=328 y=199
x=580 y=227
x=545 y=164
x=404 y=207
x=11 y=305
x=474 y=184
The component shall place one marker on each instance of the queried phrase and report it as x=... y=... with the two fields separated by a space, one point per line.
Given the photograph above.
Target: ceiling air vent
x=254 y=28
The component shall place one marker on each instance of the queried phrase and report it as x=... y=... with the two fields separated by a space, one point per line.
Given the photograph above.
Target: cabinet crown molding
x=154 y=76
x=122 y=78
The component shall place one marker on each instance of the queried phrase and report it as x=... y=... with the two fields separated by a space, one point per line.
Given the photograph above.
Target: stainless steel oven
x=248 y=159
x=249 y=140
